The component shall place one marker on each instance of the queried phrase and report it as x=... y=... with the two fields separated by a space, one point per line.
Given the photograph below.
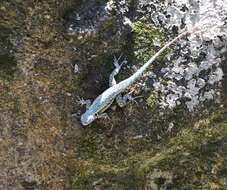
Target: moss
x=138 y=48
x=152 y=99
x=7 y=67
x=106 y=155
x=68 y=7
x=4 y=42
x=16 y=107
x=188 y=158
x=29 y=185
x=144 y=47
x=224 y=90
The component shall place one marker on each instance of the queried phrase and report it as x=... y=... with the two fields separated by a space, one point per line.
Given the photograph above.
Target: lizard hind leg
x=102 y=115
x=112 y=80
x=121 y=100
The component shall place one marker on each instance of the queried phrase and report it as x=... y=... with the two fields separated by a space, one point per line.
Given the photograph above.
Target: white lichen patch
x=195 y=82
x=193 y=68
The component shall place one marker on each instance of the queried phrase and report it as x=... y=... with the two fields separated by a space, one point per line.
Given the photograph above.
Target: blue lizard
x=104 y=100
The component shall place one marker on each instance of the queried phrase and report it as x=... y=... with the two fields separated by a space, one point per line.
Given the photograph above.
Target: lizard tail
x=138 y=73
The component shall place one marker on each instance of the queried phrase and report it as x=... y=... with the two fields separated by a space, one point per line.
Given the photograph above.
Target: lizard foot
x=116 y=64
x=121 y=100
x=132 y=99
x=103 y=115
x=81 y=101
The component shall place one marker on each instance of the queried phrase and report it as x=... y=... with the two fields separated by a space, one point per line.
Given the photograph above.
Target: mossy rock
x=7 y=67
x=188 y=158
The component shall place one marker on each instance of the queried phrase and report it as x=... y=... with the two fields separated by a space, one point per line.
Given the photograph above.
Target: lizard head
x=86 y=119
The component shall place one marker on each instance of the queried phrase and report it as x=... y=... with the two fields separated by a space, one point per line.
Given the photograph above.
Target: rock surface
x=51 y=53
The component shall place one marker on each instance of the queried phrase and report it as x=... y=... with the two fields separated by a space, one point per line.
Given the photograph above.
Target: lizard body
x=104 y=100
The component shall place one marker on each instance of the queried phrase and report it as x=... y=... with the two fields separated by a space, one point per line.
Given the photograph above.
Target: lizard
x=104 y=100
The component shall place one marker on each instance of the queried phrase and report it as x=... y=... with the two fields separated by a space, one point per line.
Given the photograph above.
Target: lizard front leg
x=112 y=80
x=121 y=100
x=81 y=101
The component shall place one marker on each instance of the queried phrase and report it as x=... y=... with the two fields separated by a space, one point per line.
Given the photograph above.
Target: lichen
x=141 y=146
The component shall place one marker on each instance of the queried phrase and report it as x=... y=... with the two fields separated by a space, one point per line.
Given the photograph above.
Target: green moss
x=7 y=67
x=224 y=91
x=7 y=63
x=191 y=156
x=29 y=185
x=188 y=158
x=138 y=47
x=152 y=99
x=144 y=47
x=4 y=42
x=16 y=107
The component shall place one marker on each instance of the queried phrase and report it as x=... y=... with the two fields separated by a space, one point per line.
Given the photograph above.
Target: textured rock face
x=43 y=147
x=210 y=38
x=193 y=68
x=32 y=56
x=86 y=18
